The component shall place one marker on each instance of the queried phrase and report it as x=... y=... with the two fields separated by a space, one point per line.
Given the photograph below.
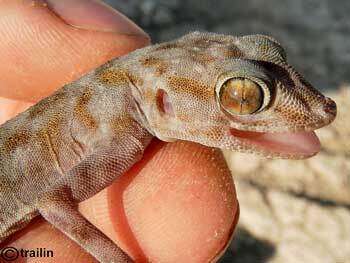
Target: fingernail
x=94 y=15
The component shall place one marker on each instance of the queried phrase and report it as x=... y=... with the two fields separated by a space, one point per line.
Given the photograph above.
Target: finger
x=181 y=204
x=177 y=205
x=10 y=108
x=44 y=46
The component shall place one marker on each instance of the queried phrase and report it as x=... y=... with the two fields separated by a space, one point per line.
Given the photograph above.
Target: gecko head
x=246 y=98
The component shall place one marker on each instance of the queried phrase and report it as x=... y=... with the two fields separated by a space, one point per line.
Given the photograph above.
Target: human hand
x=177 y=205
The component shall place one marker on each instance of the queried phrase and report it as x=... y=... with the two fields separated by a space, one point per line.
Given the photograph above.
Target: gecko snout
x=328 y=110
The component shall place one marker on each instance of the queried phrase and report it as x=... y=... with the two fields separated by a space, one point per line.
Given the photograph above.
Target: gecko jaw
x=303 y=143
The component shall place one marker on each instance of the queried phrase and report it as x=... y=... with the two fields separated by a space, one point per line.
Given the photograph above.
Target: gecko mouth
x=304 y=144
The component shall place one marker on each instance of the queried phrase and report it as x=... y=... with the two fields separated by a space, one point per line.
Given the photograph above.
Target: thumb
x=46 y=44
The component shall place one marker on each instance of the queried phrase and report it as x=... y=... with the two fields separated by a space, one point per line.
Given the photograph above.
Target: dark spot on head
x=233 y=52
x=167 y=46
x=157 y=63
x=188 y=86
x=202 y=58
x=201 y=43
x=150 y=61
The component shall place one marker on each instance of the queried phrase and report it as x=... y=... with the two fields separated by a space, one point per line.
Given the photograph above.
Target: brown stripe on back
x=52 y=128
x=121 y=124
x=49 y=102
x=112 y=76
x=81 y=110
x=16 y=140
x=187 y=86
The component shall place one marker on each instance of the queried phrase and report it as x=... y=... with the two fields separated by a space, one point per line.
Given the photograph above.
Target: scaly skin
x=61 y=151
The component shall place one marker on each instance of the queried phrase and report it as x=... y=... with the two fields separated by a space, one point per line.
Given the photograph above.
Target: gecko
x=231 y=92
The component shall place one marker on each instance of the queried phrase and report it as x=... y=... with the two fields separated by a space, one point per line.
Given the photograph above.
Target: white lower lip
x=300 y=143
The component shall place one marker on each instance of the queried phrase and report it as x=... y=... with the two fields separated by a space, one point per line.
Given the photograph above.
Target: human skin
x=177 y=205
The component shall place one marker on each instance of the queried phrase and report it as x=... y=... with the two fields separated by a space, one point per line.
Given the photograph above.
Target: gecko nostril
x=330 y=106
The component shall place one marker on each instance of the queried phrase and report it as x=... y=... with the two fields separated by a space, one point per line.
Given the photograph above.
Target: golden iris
x=241 y=96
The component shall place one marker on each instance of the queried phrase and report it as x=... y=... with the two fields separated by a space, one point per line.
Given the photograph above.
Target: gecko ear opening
x=164 y=103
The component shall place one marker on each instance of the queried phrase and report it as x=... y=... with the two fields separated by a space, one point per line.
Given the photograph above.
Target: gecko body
x=235 y=93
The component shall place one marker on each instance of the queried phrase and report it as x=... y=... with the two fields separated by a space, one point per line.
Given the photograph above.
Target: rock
x=284 y=228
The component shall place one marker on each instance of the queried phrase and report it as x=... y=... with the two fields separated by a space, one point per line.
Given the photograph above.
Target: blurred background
x=291 y=211
x=315 y=33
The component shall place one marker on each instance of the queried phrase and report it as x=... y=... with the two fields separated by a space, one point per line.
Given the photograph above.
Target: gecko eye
x=241 y=96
